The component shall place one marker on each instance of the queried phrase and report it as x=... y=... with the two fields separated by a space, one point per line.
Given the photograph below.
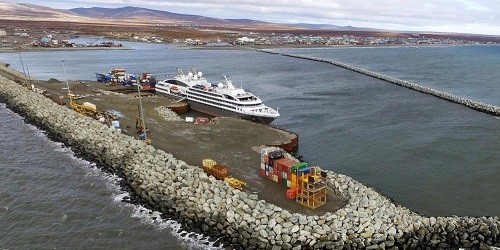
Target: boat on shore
x=221 y=99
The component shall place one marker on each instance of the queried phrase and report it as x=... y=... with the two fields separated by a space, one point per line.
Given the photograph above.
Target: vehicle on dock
x=221 y=99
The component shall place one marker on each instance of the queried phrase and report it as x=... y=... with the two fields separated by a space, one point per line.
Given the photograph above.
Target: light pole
x=142 y=114
x=67 y=83
x=22 y=64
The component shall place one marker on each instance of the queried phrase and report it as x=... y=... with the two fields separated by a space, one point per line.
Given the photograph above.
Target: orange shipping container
x=291 y=193
x=217 y=171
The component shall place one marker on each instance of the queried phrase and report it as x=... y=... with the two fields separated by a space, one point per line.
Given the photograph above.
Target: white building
x=245 y=40
x=3 y=33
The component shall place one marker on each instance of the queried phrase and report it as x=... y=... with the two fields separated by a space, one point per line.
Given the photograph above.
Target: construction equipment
x=86 y=108
x=235 y=183
x=139 y=125
x=220 y=173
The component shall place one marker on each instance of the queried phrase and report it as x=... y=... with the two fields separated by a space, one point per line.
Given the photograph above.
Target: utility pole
x=142 y=114
x=22 y=64
x=67 y=83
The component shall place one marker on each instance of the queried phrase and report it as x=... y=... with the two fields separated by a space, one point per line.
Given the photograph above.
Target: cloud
x=475 y=16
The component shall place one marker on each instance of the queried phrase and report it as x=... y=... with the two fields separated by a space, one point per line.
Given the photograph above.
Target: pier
x=478 y=106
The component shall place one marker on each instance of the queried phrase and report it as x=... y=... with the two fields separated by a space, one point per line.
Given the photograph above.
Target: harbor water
x=433 y=156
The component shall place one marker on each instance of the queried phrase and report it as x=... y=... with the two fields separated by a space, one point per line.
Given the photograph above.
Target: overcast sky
x=467 y=16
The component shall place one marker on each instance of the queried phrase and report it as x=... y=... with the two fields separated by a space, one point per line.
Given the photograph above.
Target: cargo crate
x=219 y=172
x=291 y=193
x=208 y=163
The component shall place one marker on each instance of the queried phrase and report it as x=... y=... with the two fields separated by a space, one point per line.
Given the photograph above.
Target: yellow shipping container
x=208 y=163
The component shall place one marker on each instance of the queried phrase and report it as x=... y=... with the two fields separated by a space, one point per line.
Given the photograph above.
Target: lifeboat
x=174 y=89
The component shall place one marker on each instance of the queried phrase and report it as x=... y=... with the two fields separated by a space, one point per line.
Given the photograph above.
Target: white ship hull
x=216 y=111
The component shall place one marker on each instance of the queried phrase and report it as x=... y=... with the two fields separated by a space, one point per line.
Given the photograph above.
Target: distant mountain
x=333 y=27
x=145 y=14
x=129 y=14
x=136 y=12
x=14 y=10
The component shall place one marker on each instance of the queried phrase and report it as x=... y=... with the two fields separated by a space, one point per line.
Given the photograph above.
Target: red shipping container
x=262 y=173
x=284 y=164
x=291 y=193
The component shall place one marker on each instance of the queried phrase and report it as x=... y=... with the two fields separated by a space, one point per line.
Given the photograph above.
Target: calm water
x=433 y=156
x=467 y=71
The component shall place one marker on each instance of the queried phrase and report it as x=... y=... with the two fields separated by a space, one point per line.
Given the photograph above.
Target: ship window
x=229 y=97
x=177 y=83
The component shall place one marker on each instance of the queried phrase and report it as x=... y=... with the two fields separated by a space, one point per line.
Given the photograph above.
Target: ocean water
x=468 y=71
x=430 y=155
x=51 y=199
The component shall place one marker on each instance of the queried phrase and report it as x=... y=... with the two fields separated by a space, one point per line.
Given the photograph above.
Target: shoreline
x=42 y=49
x=182 y=46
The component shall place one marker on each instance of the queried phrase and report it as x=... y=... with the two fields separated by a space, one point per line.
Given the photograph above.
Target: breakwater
x=478 y=106
x=178 y=190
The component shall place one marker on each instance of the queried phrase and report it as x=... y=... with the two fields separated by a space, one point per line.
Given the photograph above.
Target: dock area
x=233 y=142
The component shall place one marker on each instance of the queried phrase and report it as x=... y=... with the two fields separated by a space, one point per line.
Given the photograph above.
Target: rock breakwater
x=168 y=114
x=479 y=106
x=186 y=193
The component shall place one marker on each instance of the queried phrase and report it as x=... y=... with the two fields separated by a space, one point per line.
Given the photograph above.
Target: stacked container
x=284 y=167
x=268 y=157
x=276 y=167
x=306 y=184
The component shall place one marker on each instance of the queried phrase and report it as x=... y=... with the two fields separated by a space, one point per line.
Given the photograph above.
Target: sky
x=458 y=16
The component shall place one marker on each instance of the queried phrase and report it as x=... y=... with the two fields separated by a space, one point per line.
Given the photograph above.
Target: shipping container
x=208 y=162
x=299 y=166
x=284 y=164
x=265 y=159
x=263 y=166
x=291 y=193
x=219 y=172
x=304 y=171
x=262 y=172
x=275 y=178
x=267 y=150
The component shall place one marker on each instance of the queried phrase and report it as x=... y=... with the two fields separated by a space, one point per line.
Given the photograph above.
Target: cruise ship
x=221 y=99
